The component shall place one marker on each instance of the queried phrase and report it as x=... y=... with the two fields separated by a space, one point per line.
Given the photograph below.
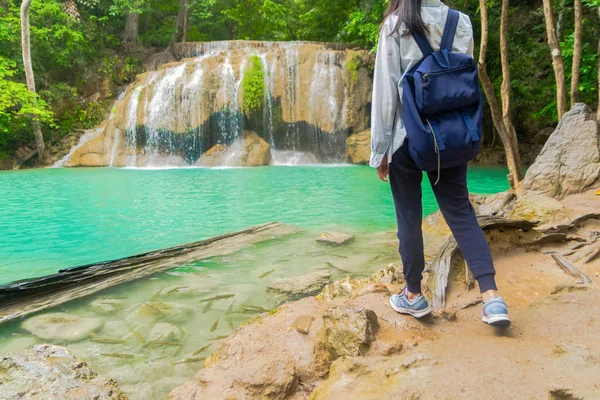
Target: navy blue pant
x=452 y=196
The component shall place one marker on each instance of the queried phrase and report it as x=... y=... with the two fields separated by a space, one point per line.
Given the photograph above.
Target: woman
x=397 y=54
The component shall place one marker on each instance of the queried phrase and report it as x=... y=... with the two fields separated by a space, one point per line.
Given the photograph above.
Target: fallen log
x=32 y=295
x=442 y=262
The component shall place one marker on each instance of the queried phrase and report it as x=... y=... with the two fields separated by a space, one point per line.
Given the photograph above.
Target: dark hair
x=409 y=13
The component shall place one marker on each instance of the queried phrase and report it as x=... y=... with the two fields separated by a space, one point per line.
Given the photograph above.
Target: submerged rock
x=249 y=150
x=151 y=312
x=570 y=160
x=166 y=332
x=358 y=147
x=348 y=331
x=52 y=372
x=107 y=306
x=61 y=326
x=335 y=238
x=301 y=285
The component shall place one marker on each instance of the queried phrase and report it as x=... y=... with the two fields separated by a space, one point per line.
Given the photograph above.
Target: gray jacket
x=396 y=55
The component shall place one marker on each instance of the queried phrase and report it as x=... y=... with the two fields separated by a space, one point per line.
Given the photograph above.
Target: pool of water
x=56 y=218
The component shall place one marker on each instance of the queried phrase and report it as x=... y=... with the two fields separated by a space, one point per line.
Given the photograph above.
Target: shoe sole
x=497 y=320
x=416 y=314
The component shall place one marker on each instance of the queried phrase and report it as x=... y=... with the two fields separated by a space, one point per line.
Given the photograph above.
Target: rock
x=374 y=378
x=373 y=288
x=107 y=306
x=249 y=150
x=387 y=275
x=263 y=360
x=52 y=372
x=570 y=161
x=345 y=287
x=348 y=331
x=542 y=136
x=534 y=207
x=358 y=147
x=335 y=238
x=301 y=285
x=166 y=332
x=61 y=326
x=302 y=324
x=147 y=313
x=497 y=204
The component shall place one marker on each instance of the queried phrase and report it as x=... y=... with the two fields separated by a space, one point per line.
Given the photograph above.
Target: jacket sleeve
x=388 y=70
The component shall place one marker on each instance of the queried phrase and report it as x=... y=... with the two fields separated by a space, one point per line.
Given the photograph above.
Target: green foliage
x=353 y=63
x=17 y=105
x=82 y=116
x=253 y=86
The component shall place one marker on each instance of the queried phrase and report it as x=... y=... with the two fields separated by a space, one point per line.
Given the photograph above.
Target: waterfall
x=172 y=116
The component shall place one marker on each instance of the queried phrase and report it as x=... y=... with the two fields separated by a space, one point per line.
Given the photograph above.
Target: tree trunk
x=26 y=49
x=181 y=23
x=132 y=28
x=508 y=137
x=598 y=112
x=557 y=59
x=576 y=53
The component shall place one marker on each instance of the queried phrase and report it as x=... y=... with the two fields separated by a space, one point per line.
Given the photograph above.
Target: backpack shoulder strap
x=450 y=30
x=423 y=43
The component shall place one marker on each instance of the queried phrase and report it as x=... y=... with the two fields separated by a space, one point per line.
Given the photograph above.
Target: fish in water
x=230 y=308
x=156 y=294
x=207 y=307
x=201 y=349
x=118 y=355
x=254 y=309
x=219 y=297
x=138 y=336
x=107 y=340
x=215 y=325
x=190 y=360
x=218 y=338
x=231 y=325
x=265 y=274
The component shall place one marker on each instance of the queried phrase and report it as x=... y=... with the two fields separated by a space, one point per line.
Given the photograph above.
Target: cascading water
x=171 y=117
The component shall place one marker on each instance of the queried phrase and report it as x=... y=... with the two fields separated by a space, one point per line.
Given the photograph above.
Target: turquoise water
x=56 y=218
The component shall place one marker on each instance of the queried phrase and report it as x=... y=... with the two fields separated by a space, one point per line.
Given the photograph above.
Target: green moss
x=353 y=63
x=253 y=86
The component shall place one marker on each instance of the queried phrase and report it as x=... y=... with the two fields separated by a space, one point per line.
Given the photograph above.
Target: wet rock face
x=570 y=160
x=250 y=150
x=348 y=331
x=53 y=373
x=358 y=147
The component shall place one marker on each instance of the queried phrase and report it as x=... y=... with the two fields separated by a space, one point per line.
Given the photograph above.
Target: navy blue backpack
x=442 y=104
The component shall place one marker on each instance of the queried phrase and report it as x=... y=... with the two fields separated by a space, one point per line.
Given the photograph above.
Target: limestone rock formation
x=335 y=238
x=61 y=326
x=301 y=285
x=53 y=373
x=348 y=331
x=249 y=150
x=358 y=147
x=570 y=160
x=533 y=207
x=315 y=94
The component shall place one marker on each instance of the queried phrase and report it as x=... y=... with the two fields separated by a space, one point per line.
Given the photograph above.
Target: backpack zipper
x=437 y=151
x=429 y=74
